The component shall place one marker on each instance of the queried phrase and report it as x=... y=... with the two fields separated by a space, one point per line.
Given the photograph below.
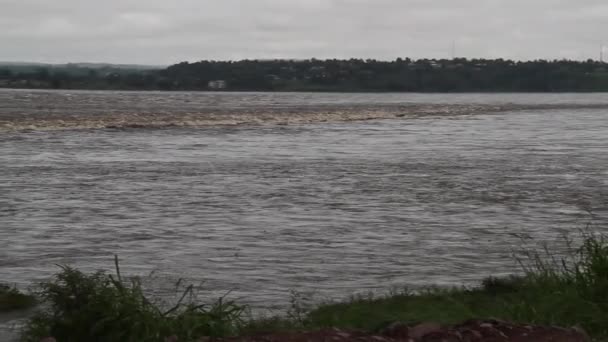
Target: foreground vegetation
x=11 y=299
x=102 y=307
x=571 y=291
x=352 y=75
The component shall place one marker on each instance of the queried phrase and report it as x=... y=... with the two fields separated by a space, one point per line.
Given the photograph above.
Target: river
x=324 y=194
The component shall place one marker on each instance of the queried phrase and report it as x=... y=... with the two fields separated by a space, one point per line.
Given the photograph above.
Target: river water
x=329 y=205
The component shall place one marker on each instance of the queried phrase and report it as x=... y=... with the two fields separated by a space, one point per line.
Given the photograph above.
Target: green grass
x=531 y=303
x=563 y=291
x=569 y=291
x=12 y=299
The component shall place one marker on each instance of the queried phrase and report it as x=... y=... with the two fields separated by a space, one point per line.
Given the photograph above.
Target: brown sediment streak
x=260 y=116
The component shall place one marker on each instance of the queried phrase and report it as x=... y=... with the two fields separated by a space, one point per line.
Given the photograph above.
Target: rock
x=419 y=331
x=341 y=334
x=495 y=331
x=470 y=331
x=470 y=335
x=396 y=329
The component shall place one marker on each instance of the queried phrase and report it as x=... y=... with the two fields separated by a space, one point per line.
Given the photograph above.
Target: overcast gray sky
x=169 y=31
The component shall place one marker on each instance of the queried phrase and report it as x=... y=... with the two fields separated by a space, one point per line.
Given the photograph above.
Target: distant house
x=272 y=78
x=217 y=85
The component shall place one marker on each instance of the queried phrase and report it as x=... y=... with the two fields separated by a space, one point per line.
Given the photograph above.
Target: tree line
x=353 y=75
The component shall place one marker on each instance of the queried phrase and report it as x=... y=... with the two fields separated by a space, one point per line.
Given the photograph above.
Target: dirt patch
x=470 y=331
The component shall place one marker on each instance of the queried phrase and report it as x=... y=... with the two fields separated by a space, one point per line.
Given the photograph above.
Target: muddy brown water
x=323 y=194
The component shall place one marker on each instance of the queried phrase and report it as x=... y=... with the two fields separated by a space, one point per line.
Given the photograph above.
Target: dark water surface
x=333 y=208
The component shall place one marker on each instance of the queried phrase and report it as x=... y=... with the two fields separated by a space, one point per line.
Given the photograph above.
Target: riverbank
x=567 y=291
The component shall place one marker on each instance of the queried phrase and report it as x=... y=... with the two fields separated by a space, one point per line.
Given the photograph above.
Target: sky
x=163 y=32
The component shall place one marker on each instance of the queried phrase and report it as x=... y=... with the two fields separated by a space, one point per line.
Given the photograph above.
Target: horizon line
x=162 y=65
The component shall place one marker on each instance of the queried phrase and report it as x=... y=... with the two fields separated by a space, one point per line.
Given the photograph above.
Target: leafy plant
x=102 y=307
x=12 y=299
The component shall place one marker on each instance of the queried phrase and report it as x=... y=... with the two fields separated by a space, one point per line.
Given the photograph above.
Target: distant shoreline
x=320 y=91
x=457 y=75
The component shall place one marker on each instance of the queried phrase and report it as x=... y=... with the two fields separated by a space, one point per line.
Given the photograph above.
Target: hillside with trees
x=353 y=75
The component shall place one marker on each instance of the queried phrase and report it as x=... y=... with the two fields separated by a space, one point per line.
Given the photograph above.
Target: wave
x=258 y=116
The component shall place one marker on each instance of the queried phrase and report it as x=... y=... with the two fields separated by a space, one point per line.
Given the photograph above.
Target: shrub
x=102 y=307
x=12 y=299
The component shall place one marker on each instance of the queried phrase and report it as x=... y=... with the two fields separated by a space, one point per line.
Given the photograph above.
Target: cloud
x=165 y=32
